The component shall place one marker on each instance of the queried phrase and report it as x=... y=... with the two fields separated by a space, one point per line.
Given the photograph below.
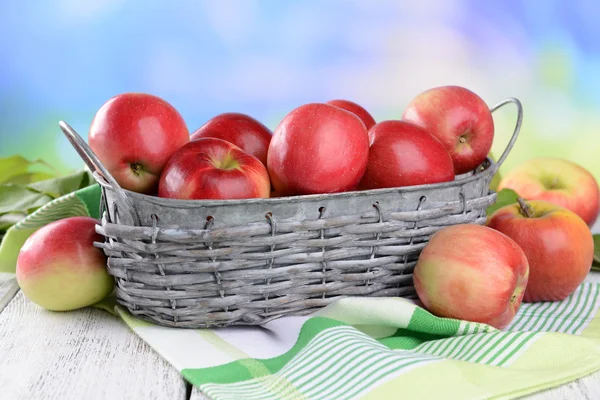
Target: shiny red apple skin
x=318 y=148
x=134 y=135
x=404 y=154
x=247 y=133
x=557 y=181
x=558 y=244
x=211 y=168
x=473 y=273
x=460 y=119
x=355 y=108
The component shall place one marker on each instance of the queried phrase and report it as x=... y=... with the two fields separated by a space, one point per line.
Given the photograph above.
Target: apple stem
x=136 y=168
x=525 y=207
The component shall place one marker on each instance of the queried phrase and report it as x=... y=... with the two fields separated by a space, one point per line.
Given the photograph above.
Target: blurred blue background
x=63 y=59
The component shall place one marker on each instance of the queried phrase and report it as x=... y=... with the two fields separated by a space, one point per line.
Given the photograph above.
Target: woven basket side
x=266 y=269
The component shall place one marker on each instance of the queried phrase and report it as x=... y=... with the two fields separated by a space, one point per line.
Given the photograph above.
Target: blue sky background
x=62 y=59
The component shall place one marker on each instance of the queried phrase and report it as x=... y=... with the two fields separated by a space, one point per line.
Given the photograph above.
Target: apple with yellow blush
x=473 y=273
x=59 y=268
x=557 y=181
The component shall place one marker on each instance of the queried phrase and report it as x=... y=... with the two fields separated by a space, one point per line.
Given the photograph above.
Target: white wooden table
x=90 y=354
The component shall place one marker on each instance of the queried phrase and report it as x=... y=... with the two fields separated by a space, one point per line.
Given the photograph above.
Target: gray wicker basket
x=201 y=263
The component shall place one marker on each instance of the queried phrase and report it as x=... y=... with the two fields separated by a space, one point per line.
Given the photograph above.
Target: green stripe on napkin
x=337 y=360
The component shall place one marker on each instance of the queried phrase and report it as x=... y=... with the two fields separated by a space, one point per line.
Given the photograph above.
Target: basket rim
x=476 y=174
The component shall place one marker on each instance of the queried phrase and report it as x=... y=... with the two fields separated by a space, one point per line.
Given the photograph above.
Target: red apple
x=403 y=154
x=134 y=135
x=211 y=168
x=59 y=268
x=242 y=130
x=357 y=109
x=558 y=181
x=558 y=244
x=473 y=273
x=460 y=119
x=318 y=148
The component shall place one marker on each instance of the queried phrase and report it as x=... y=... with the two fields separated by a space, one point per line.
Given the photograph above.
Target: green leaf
x=13 y=166
x=29 y=177
x=26 y=193
x=18 y=198
x=60 y=186
x=504 y=198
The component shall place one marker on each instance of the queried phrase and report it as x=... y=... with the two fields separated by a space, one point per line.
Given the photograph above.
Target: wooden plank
x=8 y=289
x=85 y=354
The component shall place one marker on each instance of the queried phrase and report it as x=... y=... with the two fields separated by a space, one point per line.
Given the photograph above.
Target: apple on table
x=472 y=272
x=59 y=268
x=558 y=244
x=557 y=181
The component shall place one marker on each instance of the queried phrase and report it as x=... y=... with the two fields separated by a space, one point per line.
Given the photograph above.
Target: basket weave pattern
x=249 y=274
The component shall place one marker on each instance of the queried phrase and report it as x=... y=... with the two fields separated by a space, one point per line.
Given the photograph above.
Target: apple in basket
x=472 y=272
x=558 y=244
x=59 y=268
x=211 y=168
x=460 y=119
x=134 y=135
x=357 y=109
x=318 y=148
x=242 y=130
x=404 y=154
x=558 y=181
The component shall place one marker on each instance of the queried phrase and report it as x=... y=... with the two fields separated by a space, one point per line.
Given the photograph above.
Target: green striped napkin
x=380 y=348
x=371 y=348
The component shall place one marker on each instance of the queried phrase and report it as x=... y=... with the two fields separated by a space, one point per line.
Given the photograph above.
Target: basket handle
x=95 y=165
x=516 y=131
x=87 y=154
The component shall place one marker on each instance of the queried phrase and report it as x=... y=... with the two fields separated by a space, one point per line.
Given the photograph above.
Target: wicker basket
x=201 y=263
